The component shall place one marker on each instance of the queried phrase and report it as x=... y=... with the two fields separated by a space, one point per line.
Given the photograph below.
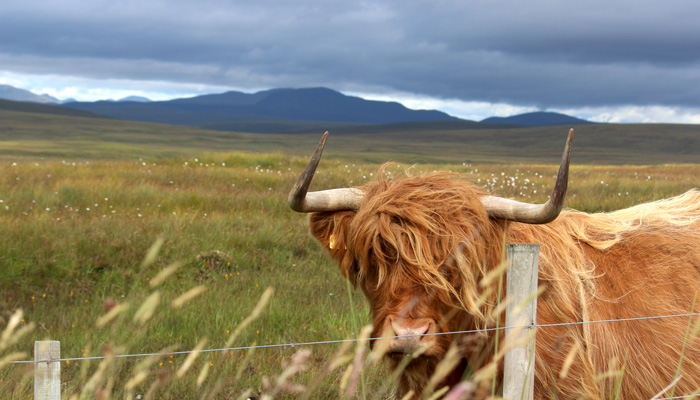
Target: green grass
x=75 y=234
x=101 y=219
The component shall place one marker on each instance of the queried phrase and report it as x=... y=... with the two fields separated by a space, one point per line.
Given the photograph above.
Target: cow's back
x=643 y=263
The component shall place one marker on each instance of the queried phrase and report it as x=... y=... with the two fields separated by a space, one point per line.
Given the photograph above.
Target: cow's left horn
x=501 y=208
x=326 y=200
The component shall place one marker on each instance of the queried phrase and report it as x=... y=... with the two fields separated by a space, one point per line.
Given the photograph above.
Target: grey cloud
x=546 y=54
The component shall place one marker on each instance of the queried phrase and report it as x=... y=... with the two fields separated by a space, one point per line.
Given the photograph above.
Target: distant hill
x=276 y=110
x=539 y=118
x=8 y=92
x=27 y=107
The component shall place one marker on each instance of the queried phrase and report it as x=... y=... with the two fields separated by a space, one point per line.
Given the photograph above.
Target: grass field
x=75 y=236
x=82 y=202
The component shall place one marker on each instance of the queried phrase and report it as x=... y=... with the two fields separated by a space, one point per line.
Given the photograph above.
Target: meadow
x=128 y=238
x=82 y=240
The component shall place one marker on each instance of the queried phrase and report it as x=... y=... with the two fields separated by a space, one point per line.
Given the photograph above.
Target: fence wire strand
x=279 y=345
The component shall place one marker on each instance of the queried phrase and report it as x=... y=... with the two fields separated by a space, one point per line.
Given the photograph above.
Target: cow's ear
x=330 y=229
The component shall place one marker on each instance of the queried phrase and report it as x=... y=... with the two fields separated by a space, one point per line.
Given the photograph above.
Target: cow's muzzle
x=409 y=335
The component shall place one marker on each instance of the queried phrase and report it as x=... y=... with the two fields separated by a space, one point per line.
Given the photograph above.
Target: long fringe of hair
x=431 y=231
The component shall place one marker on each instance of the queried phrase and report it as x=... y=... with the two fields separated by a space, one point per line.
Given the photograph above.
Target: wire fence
x=279 y=345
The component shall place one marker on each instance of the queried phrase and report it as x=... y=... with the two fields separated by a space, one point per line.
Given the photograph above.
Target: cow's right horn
x=498 y=207
x=326 y=200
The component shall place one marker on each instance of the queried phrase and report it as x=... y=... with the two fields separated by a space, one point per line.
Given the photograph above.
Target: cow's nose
x=408 y=331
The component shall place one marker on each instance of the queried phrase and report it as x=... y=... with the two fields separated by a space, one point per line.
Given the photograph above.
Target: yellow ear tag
x=331 y=243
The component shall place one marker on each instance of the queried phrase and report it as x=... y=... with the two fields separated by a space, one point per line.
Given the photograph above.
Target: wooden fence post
x=521 y=289
x=47 y=373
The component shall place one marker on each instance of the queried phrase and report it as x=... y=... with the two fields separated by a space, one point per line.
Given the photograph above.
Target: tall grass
x=75 y=235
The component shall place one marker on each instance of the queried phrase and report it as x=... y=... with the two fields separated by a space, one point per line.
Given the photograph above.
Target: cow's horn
x=501 y=208
x=326 y=200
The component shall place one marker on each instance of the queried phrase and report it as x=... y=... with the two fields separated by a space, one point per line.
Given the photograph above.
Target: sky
x=607 y=61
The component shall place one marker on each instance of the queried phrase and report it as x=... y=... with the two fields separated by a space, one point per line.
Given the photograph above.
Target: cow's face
x=412 y=261
x=399 y=305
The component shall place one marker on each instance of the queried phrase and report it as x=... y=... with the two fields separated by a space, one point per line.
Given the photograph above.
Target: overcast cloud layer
x=512 y=56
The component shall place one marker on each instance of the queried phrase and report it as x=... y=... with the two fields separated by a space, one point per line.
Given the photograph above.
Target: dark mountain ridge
x=311 y=104
x=289 y=110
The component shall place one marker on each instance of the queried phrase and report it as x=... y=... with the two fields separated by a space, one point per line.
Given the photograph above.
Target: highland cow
x=420 y=247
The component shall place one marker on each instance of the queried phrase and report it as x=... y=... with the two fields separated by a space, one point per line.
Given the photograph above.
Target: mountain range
x=281 y=110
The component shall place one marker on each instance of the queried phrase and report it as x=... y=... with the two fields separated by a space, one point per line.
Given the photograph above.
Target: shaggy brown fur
x=420 y=246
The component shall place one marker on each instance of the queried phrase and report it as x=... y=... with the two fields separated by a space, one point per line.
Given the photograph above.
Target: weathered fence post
x=47 y=373
x=521 y=286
